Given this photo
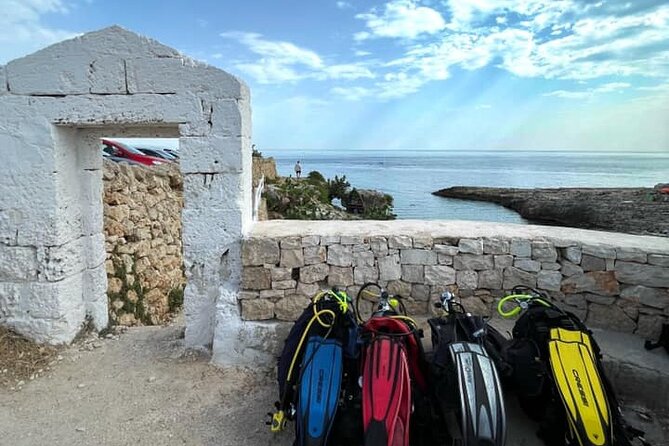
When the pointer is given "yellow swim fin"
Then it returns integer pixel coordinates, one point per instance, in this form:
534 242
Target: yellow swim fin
574 369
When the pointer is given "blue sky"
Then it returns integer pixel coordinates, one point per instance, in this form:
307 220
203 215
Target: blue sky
402 74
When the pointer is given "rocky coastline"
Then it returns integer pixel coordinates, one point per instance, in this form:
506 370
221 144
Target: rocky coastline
628 210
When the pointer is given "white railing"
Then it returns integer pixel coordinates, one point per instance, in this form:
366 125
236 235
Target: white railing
257 195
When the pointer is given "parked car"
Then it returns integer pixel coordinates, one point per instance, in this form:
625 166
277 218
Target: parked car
117 149
158 153
120 160
172 152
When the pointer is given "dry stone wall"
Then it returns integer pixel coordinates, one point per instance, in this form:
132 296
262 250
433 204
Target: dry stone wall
622 288
142 225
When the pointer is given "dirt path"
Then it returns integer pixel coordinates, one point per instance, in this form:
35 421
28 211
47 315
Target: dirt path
142 389
145 389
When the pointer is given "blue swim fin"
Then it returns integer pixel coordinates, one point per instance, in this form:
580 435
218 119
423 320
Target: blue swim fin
320 383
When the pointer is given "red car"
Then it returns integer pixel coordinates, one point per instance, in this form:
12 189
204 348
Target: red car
117 149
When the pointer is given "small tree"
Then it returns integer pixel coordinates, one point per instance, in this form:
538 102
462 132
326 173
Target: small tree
316 177
338 187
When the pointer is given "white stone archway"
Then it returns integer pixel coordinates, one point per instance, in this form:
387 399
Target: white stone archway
54 104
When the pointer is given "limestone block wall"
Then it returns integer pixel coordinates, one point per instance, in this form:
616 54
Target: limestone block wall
142 226
613 281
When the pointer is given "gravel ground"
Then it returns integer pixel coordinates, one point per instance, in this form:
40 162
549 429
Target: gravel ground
141 389
144 388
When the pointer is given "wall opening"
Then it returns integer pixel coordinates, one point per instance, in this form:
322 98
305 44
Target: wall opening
142 205
122 222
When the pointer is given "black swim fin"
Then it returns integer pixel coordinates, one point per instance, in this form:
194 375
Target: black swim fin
482 413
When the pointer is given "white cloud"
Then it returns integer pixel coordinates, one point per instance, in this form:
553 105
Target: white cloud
286 62
397 85
22 30
279 61
270 72
347 71
566 94
362 35
284 53
591 92
612 86
469 14
515 47
403 19
352 93
659 88
343 5
583 45
560 39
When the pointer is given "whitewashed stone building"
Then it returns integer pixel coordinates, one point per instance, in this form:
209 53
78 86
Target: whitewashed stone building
55 104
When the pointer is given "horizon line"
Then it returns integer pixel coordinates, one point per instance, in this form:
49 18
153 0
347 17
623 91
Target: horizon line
661 151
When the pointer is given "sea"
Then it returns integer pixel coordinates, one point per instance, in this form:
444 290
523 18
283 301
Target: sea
411 176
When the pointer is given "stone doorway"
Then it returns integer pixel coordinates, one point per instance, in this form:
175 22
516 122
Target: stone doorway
54 105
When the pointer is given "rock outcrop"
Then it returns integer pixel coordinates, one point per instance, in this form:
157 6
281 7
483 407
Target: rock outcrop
629 210
311 198
264 167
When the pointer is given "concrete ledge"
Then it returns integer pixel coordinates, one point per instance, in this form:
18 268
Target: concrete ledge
561 237
638 375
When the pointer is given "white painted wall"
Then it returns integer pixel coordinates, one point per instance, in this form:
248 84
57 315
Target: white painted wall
54 105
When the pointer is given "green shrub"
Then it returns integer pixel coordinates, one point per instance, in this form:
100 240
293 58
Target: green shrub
338 188
316 177
175 299
137 308
311 198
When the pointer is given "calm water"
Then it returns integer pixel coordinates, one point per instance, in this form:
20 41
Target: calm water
411 176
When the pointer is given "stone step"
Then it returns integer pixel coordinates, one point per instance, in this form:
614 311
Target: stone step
638 375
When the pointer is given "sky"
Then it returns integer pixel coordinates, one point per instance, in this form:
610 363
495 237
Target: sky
582 75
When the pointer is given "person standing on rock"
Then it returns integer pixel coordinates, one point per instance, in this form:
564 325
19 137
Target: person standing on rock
298 169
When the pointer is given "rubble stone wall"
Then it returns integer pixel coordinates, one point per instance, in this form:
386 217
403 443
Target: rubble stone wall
613 281
142 226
